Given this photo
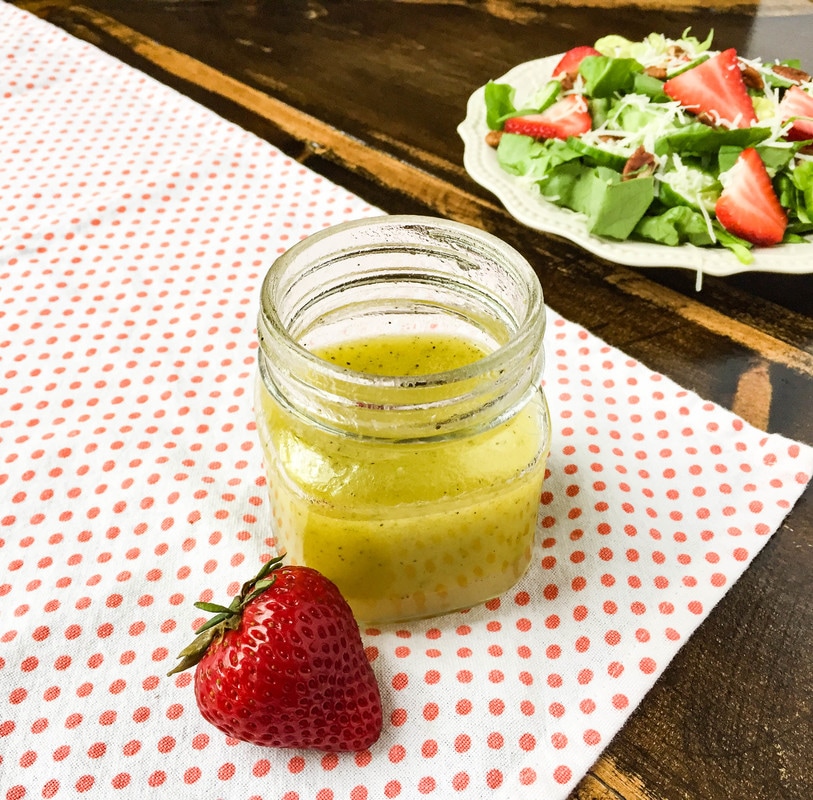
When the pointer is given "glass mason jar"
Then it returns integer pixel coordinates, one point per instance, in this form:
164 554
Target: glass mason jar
400 410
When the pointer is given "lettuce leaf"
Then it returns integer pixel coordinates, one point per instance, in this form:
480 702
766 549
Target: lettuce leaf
654 43
522 155
676 225
613 207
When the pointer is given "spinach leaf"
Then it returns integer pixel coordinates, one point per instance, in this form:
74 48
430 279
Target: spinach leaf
605 77
699 139
676 225
499 99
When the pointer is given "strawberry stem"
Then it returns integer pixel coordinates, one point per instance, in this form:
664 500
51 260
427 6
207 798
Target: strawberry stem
212 622
226 617
214 608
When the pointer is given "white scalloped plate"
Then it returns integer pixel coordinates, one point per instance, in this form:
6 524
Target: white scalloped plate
480 161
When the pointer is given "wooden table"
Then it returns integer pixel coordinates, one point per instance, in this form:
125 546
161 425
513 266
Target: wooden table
369 94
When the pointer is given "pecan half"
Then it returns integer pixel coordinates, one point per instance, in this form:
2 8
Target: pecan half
751 77
656 72
568 79
640 164
493 138
791 73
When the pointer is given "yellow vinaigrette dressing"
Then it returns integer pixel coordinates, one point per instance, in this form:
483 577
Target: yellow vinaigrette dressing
399 406
406 528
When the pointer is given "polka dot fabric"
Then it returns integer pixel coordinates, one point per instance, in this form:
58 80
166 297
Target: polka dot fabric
135 228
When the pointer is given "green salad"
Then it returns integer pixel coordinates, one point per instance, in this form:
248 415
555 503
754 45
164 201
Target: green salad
667 141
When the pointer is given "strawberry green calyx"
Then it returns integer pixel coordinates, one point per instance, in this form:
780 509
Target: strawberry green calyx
226 617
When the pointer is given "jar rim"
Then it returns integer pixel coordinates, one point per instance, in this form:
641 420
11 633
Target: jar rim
529 330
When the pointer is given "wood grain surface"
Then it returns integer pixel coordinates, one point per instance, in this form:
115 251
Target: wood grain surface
369 94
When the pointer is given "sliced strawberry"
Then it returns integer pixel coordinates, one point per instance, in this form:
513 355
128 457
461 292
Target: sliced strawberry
748 206
715 91
797 103
566 117
569 63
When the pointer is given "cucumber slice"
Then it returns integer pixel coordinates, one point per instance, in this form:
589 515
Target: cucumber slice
684 185
597 156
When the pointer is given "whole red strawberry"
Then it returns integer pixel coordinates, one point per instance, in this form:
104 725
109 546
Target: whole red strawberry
284 665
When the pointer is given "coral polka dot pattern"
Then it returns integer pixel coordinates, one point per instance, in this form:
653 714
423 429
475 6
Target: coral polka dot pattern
136 228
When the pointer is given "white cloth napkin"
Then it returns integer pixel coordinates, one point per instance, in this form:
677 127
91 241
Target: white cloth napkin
135 228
